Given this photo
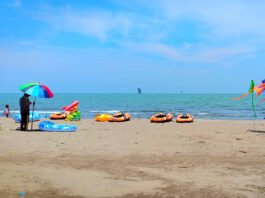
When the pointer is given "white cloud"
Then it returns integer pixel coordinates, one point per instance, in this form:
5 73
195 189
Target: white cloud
148 32
17 3
224 17
224 53
96 23
26 43
212 18
193 53
30 59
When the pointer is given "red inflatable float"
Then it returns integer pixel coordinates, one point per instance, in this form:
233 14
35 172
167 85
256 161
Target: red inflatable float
69 108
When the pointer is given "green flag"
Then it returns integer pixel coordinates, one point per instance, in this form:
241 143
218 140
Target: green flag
252 85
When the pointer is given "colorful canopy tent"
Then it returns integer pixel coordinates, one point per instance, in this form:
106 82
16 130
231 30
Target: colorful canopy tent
258 89
36 90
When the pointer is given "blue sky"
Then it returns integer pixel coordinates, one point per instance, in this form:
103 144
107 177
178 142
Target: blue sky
116 46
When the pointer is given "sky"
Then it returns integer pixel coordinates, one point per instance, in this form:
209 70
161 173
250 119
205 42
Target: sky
116 46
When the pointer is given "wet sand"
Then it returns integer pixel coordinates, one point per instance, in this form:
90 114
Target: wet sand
137 159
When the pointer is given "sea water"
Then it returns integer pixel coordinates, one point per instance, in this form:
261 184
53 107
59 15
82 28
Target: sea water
202 106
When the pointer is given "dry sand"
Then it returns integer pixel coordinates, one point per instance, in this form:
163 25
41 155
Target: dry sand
207 158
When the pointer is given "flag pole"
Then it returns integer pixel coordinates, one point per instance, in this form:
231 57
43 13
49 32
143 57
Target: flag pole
32 114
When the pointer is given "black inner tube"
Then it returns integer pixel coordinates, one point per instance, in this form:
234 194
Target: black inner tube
184 116
161 116
118 115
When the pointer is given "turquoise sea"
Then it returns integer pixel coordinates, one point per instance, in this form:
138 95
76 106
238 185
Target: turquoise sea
202 106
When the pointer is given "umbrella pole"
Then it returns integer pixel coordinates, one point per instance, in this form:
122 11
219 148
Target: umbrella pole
32 114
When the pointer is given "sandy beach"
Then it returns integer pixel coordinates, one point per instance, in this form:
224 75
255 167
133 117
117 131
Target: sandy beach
206 158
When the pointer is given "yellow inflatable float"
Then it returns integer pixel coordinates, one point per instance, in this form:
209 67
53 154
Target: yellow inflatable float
102 117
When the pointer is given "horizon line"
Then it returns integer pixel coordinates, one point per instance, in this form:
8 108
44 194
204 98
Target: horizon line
127 93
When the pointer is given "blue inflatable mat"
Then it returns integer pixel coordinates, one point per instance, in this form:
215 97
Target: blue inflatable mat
35 117
52 127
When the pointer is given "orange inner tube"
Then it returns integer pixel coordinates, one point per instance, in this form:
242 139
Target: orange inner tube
160 117
120 117
184 118
57 116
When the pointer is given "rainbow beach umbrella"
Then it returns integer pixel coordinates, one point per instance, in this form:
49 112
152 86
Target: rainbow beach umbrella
38 91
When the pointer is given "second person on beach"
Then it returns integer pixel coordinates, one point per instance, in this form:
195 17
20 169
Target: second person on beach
6 111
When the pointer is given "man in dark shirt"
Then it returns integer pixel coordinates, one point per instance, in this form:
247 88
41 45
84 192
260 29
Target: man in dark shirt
24 111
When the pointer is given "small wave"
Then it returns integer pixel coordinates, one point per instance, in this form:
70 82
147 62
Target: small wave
110 111
48 112
14 111
235 115
137 113
153 111
203 113
40 112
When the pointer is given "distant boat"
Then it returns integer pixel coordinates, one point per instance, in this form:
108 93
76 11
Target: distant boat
139 91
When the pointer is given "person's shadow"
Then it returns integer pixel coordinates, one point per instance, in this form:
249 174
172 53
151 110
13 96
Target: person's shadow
29 130
256 131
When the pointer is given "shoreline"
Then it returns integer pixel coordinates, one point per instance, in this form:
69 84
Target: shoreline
134 159
173 120
203 106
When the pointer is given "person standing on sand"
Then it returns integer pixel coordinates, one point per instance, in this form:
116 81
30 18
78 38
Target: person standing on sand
6 111
24 111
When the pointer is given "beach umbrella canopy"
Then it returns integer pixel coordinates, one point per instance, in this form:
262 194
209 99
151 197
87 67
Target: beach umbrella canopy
37 90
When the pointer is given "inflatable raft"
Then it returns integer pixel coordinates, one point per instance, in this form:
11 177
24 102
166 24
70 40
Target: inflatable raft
120 117
71 107
184 118
102 117
161 117
52 127
35 117
57 116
